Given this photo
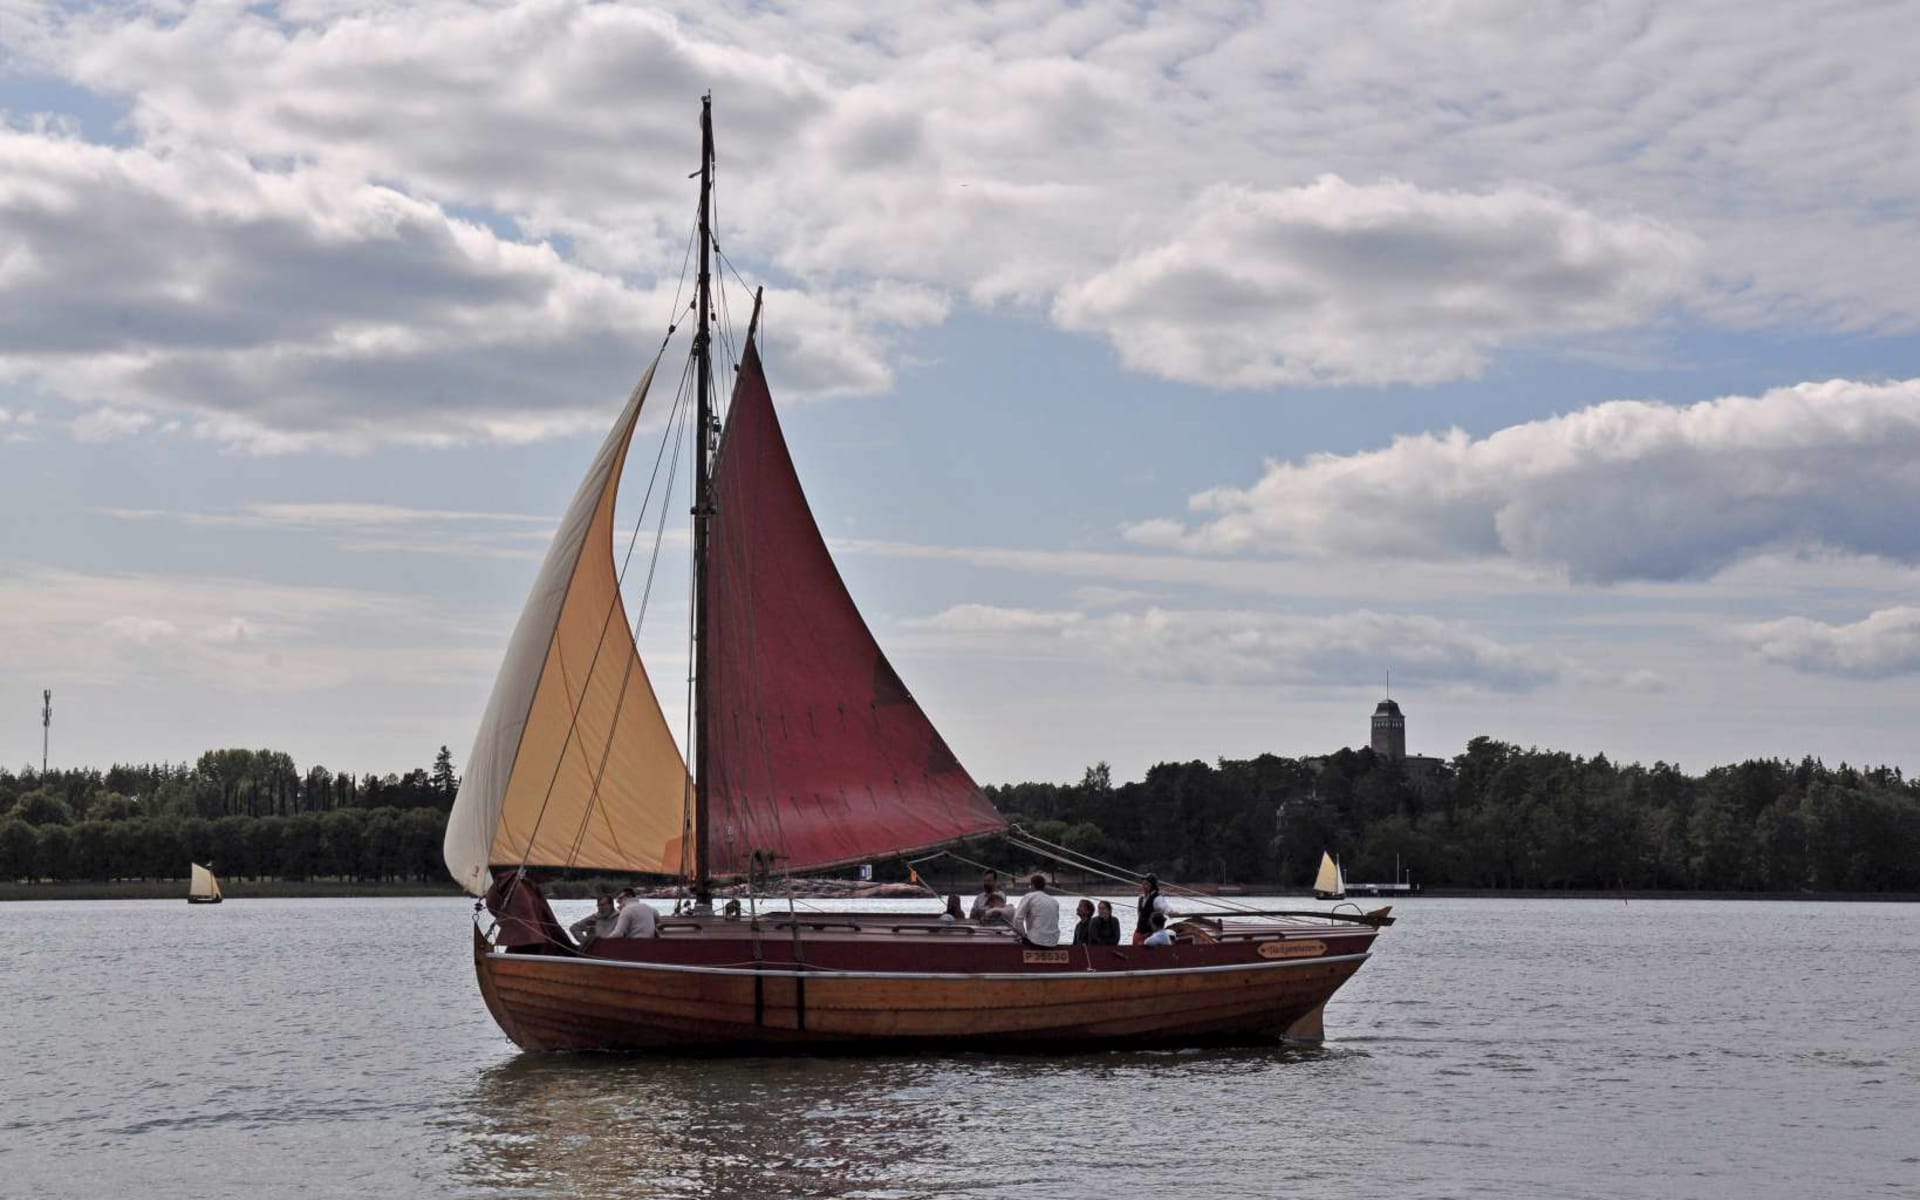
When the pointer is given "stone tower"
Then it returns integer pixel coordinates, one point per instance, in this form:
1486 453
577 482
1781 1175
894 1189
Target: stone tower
1389 731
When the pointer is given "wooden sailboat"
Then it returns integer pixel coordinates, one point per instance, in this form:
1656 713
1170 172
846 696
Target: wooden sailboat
1331 882
808 752
204 887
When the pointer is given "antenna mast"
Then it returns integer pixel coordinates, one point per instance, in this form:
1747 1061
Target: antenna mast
46 726
702 503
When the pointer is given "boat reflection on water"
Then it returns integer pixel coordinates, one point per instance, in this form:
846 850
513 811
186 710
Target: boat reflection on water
593 1126
589 1125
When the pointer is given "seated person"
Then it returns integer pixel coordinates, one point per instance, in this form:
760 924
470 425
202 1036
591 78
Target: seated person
1105 930
637 918
954 912
989 888
996 908
596 924
1161 935
1083 928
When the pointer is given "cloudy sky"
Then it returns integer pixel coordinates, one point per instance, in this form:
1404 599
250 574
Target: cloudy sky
1163 374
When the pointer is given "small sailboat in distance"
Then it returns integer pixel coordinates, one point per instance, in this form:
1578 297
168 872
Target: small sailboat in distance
1331 882
205 887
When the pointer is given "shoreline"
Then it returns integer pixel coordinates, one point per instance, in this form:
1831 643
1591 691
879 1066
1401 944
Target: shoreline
239 889
314 889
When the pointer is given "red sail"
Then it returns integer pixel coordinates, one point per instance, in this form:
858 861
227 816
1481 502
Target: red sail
817 752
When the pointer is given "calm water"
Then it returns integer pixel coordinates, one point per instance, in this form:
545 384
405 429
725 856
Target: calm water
1491 1048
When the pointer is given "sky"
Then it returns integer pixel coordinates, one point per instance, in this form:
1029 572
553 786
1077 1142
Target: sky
1162 375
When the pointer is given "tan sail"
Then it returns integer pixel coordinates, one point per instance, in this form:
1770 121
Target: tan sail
574 764
1330 881
203 886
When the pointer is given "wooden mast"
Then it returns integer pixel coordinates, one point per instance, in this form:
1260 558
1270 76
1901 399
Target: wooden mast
703 503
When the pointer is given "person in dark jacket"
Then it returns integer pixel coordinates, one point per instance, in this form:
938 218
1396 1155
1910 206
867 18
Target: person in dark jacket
1105 930
1151 902
1083 928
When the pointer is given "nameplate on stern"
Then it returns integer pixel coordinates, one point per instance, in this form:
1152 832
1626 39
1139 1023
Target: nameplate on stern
1307 949
1043 956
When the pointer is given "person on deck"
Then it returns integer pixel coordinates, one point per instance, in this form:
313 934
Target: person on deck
637 918
1083 928
597 924
1161 935
989 888
1151 902
954 911
1037 919
1106 927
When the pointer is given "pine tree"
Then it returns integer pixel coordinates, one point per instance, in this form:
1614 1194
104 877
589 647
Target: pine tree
445 782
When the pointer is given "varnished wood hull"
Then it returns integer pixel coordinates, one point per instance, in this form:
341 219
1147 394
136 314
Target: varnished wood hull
566 1003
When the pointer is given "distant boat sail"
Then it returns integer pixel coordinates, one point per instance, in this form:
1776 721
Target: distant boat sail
806 751
204 888
1330 883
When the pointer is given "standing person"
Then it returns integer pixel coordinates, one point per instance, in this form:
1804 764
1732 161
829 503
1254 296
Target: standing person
1106 927
1151 902
1037 919
1083 928
989 888
637 918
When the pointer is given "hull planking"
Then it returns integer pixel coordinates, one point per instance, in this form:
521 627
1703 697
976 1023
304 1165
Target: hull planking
1068 999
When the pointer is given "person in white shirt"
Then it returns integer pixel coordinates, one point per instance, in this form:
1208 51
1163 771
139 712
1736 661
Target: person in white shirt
1161 935
597 924
1037 919
637 918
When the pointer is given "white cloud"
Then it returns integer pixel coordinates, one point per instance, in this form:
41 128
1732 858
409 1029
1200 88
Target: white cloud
237 635
1338 283
1114 165
1623 490
367 528
109 424
1102 596
989 618
1261 648
1880 645
141 631
300 309
352 515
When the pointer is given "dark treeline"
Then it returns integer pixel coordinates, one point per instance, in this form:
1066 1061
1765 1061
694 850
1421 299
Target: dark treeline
249 813
1496 816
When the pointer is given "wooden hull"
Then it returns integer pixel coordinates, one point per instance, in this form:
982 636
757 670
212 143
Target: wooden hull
1217 994
203 899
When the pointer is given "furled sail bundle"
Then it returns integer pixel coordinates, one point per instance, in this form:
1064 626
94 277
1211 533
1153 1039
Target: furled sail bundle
818 755
574 764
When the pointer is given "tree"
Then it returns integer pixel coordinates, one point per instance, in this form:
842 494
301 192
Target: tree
19 849
445 782
56 846
42 807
